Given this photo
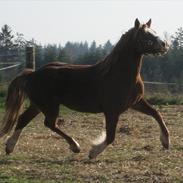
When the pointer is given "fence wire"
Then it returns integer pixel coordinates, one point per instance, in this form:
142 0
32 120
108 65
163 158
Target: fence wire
170 89
11 65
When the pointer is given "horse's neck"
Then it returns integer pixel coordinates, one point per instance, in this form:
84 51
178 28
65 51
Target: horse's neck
126 62
134 64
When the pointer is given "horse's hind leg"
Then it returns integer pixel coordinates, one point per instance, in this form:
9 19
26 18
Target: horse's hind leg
145 108
23 120
111 123
50 122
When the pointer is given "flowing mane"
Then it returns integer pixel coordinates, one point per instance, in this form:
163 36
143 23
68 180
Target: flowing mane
125 42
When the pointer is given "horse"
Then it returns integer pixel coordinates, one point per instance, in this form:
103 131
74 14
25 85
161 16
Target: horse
110 86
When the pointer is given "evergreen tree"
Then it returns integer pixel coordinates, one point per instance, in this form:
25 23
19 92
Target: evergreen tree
20 41
177 41
93 47
50 53
6 41
63 56
39 56
107 47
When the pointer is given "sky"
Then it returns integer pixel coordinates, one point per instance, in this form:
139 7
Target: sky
59 21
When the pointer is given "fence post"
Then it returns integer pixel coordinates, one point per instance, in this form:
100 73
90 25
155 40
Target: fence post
30 57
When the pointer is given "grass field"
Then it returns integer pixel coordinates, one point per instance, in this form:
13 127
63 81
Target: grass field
135 156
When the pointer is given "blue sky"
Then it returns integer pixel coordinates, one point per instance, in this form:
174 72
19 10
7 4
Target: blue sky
54 21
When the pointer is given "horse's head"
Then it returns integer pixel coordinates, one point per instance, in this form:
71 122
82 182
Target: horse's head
147 41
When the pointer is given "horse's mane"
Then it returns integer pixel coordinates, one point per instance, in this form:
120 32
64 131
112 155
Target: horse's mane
121 46
124 41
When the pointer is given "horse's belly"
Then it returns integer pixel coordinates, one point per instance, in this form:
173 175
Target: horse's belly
83 106
82 102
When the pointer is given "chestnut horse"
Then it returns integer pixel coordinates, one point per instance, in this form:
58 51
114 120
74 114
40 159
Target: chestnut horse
109 87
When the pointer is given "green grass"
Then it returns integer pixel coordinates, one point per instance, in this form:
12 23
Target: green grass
7 179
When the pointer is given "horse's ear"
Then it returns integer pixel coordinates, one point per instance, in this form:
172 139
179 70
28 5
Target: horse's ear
149 23
137 23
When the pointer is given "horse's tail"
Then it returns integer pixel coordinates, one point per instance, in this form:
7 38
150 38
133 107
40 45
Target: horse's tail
14 102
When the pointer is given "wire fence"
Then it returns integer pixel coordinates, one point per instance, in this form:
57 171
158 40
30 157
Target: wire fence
161 88
11 64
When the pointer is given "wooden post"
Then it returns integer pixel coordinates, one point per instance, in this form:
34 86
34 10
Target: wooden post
30 57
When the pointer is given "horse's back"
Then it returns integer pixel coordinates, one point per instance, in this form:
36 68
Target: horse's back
72 85
60 65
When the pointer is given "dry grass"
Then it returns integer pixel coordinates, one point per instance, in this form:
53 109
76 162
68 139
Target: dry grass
136 155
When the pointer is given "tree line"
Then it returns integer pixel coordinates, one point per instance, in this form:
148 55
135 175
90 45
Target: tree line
167 68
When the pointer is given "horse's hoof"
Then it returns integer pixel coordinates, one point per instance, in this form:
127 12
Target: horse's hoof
8 151
9 147
97 149
165 141
93 153
75 149
90 156
166 146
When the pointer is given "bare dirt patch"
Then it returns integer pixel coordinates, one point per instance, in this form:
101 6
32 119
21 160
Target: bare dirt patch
135 156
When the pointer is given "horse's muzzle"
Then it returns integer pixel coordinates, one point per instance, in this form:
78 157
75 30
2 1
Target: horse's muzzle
163 46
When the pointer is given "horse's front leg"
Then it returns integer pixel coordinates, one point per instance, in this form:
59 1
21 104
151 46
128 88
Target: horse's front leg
144 107
106 138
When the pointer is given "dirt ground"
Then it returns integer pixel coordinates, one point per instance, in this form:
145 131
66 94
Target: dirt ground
135 156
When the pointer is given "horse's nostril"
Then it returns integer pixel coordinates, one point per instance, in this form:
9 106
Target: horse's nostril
164 43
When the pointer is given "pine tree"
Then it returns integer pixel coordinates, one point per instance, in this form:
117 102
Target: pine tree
93 46
19 41
177 40
63 56
50 53
107 47
6 41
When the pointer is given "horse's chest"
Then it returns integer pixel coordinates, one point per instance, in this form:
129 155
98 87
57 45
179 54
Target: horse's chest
124 96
